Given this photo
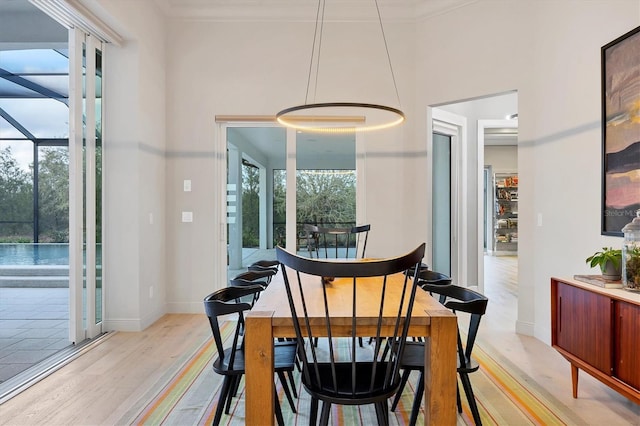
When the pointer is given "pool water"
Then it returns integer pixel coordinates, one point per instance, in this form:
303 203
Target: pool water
34 254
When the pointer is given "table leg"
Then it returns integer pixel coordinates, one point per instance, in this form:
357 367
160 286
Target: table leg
260 394
440 375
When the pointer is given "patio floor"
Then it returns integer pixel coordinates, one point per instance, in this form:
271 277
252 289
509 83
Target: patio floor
34 324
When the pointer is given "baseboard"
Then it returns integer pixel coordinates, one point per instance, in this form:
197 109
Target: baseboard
526 328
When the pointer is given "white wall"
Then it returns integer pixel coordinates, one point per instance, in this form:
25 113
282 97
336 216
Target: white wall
134 169
547 50
502 158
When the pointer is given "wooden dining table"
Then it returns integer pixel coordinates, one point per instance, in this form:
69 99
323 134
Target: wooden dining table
271 318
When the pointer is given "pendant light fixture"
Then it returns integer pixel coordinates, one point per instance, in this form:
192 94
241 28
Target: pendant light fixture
339 117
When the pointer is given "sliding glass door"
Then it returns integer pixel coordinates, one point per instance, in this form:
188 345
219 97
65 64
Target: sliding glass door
85 183
277 180
255 195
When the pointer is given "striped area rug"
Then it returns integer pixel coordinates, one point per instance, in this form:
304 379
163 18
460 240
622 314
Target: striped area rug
188 396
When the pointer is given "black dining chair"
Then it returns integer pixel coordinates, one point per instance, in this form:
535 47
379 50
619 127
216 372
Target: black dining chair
265 265
330 240
262 277
309 239
251 278
459 300
335 372
230 360
359 235
427 277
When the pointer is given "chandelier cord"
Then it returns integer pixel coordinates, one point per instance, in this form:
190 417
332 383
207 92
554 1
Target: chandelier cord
386 47
318 40
313 51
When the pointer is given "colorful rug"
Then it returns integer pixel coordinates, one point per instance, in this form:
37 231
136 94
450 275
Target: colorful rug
188 396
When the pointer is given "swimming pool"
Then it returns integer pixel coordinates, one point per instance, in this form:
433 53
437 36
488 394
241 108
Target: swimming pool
34 254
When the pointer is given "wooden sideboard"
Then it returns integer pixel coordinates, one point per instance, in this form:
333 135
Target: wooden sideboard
598 331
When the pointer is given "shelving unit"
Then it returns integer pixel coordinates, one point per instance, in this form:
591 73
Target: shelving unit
505 214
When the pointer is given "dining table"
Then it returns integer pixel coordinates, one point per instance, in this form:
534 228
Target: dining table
270 318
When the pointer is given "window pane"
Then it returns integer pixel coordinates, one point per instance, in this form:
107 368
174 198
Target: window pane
326 181
53 193
43 118
16 193
253 155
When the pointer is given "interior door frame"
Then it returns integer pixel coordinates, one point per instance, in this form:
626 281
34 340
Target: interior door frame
454 126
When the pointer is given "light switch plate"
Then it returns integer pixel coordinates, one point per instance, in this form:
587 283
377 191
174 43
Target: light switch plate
187 185
187 216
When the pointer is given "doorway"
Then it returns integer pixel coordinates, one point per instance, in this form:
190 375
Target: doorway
471 212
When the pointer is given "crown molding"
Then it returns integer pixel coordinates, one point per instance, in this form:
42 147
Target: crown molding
305 10
72 14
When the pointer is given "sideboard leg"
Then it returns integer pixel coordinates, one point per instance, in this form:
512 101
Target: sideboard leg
574 380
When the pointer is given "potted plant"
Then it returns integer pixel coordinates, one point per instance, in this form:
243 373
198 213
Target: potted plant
610 262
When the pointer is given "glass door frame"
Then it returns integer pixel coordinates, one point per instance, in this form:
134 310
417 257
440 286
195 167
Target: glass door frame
220 148
83 321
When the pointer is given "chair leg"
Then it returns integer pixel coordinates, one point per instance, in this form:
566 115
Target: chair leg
403 381
382 414
313 412
293 384
459 402
234 384
468 390
287 392
417 400
325 414
226 388
279 417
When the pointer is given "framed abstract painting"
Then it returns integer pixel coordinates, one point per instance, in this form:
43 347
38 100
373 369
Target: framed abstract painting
620 132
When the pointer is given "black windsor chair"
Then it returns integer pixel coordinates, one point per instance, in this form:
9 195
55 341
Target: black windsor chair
338 374
330 240
309 237
251 278
265 265
427 277
230 361
360 235
458 299
261 277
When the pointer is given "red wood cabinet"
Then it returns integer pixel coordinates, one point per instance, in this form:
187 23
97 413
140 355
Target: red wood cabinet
598 331
627 351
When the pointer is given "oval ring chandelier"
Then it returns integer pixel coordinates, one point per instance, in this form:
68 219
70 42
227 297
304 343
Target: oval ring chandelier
340 117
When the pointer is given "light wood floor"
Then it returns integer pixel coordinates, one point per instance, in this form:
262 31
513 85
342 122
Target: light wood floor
99 387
